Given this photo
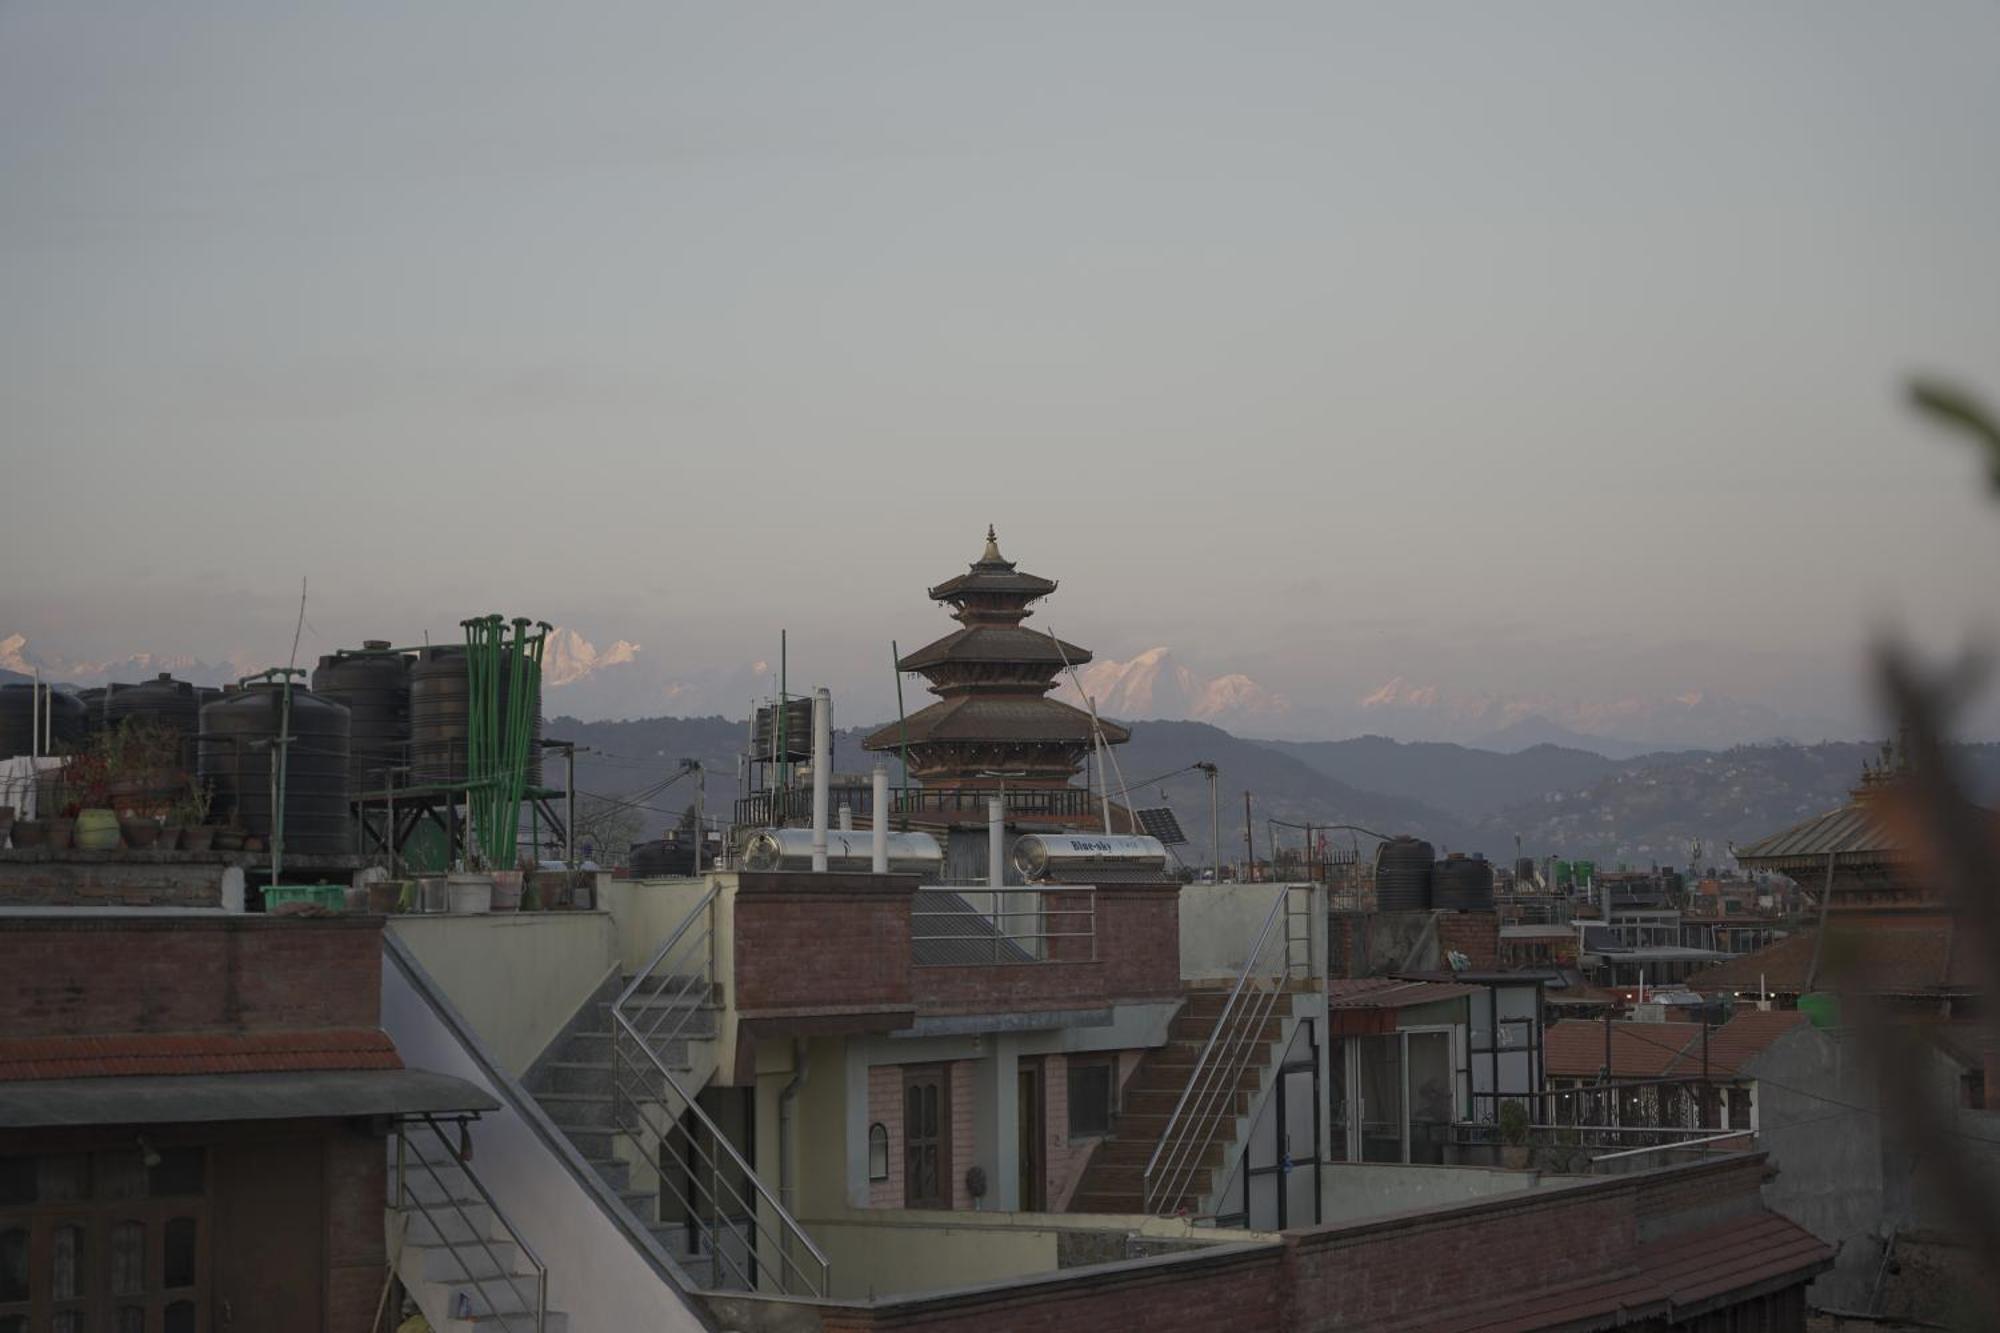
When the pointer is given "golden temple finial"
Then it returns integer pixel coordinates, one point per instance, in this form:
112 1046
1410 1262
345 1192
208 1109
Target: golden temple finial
992 553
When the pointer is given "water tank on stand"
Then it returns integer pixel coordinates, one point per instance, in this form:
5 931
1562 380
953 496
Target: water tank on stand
374 686
235 752
19 710
1403 875
440 718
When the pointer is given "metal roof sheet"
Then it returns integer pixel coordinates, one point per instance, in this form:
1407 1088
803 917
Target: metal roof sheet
1853 831
186 1099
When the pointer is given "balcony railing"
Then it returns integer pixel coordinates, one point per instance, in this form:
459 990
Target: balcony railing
976 925
769 809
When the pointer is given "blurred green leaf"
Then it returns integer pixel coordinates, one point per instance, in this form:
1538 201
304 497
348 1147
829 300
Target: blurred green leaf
1954 407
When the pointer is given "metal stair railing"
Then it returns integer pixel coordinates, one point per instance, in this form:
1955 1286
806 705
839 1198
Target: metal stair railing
406 1198
1208 1099
683 968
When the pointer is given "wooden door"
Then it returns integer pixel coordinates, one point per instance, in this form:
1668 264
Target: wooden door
1033 1131
270 1220
926 1138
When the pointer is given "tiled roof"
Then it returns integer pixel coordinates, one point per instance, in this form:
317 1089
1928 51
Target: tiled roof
1879 954
130 1054
995 643
976 717
1673 1279
1574 1048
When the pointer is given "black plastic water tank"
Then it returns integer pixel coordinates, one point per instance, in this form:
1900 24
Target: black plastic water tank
65 726
440 693
375 687
1462 882
162 701
1403 875
235 760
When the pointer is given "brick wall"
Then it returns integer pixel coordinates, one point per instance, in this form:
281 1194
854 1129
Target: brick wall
40 878
356 1192
1474 934
822 941
64 976
1138 958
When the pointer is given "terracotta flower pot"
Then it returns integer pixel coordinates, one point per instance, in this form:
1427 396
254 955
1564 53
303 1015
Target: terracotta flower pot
252 843
229 840
62 834
170 838
140 834
198 838
31 833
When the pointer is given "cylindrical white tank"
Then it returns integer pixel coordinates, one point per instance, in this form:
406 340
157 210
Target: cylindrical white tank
792 849
1036 855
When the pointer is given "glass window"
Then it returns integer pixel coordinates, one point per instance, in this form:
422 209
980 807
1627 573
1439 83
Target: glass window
1089 1098
878 1151
66 1260
13 1323
179 1266
17 1180
1431 1102
128 1259
121 1175
180 1317
14 1264
131 1319
1382 1099
179 1171
69 1321
61 1179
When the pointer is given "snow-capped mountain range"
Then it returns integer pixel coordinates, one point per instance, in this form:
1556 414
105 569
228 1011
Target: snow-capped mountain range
1156 685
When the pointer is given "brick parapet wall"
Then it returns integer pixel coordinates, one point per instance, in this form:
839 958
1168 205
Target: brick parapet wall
814 941
1356 1274
80 976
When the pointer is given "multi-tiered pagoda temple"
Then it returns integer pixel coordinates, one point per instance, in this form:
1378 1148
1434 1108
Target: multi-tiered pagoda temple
994 725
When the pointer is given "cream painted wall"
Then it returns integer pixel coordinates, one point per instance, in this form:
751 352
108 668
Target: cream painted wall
1351 1190
1219 923
647 911
516 976
884 1252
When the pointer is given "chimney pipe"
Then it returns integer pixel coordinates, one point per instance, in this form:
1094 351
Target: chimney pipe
822 759
880 825
996 837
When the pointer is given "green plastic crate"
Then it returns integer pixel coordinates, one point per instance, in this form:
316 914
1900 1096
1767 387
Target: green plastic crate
330 896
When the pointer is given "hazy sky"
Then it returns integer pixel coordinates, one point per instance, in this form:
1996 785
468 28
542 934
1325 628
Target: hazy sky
1503 347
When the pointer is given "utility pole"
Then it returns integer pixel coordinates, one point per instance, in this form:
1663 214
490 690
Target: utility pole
1214 821
1249 845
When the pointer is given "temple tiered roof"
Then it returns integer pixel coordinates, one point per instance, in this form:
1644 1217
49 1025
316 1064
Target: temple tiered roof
992 678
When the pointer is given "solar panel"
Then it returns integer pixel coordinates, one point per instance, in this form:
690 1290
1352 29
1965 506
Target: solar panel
1159 822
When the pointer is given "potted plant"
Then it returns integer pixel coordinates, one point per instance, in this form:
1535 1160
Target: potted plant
31 832
1513 1135
187 821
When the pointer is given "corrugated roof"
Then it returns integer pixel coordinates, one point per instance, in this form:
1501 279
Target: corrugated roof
1853 832
1390 992
166 1053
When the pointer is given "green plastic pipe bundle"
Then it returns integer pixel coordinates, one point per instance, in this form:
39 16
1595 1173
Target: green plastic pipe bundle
503 673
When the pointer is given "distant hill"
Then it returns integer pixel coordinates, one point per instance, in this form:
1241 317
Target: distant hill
1560 801
1458 778
1651 810
1537 732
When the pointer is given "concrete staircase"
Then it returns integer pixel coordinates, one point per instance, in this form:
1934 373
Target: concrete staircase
455 1257
573 1083
1114 1181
